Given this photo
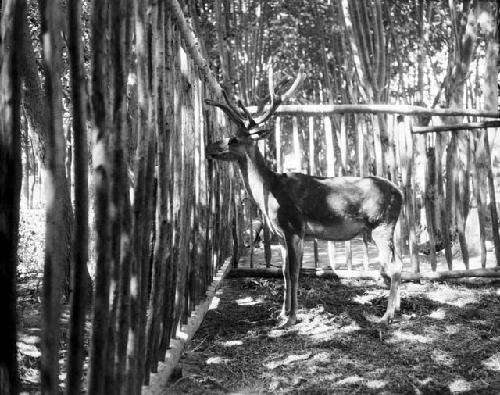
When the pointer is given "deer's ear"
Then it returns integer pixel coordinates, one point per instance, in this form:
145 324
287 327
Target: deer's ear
261 134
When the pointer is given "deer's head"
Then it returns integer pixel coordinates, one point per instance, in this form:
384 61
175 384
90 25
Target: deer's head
249 127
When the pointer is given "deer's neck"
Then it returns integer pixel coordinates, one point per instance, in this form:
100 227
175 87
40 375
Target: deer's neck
258 178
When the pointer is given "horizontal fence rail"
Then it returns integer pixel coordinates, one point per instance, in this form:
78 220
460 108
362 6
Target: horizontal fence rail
308 139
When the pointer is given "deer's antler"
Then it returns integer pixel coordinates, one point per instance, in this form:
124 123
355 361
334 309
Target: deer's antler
243 118
277 100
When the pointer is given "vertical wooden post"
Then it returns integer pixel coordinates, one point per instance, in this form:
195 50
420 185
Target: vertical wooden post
359 127
330 172
312 171
80 241
12 20
408 182
428 194
343 172
297 153
97 366
265 225
277 136
479 203
493 202
449 211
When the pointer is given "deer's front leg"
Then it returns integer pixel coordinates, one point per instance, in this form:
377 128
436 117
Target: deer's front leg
291 273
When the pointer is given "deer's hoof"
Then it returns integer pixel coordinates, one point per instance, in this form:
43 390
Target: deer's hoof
284 314
384 282
287 322
386 319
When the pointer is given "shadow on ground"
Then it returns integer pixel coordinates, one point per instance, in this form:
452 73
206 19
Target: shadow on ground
446 340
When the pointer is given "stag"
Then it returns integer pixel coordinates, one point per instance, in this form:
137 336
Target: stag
300 207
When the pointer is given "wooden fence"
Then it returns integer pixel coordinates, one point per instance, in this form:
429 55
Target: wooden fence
327 140
161 256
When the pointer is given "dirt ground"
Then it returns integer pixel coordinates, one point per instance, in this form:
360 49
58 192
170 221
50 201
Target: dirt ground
446 341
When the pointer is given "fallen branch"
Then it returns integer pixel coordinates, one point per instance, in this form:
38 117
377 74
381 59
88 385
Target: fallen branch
451 128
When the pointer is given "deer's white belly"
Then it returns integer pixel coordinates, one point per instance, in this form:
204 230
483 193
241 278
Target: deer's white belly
343 231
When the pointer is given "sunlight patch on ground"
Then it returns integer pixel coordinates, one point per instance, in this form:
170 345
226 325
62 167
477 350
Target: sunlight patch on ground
364 299
231 343
352 327
493 362
368 296
249 301
288 360
442 358
321 357
217 360
455 297
452 329
438 314
460 385
402 336
376 384
350 380
275 333
318 330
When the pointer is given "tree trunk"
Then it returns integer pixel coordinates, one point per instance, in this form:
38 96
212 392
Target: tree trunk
11 25
79 296
55 251
99 97
37 113
457 157
490 92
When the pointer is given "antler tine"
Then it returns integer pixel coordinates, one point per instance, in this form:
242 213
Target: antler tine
276 101
279 85
233 108
251 122
228 110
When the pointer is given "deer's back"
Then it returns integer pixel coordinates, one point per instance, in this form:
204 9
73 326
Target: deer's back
353 204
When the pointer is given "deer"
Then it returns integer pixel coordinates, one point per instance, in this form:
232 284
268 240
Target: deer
300 207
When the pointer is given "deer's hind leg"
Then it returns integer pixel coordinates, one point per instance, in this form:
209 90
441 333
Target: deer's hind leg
383 239
287 295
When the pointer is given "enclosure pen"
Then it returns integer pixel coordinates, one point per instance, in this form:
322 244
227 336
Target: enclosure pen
167 225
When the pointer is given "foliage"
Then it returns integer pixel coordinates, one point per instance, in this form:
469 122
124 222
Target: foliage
295 31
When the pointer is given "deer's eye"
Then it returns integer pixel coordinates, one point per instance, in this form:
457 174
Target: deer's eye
233 141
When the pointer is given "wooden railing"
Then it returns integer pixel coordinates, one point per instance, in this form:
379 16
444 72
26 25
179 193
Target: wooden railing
345 140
